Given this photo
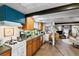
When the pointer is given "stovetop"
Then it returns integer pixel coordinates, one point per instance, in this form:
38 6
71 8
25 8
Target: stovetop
11 42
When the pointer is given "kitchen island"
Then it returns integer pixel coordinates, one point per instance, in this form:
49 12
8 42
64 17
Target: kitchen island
33 44
25 47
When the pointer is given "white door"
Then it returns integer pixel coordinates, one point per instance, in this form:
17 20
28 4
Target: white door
14 52
46 37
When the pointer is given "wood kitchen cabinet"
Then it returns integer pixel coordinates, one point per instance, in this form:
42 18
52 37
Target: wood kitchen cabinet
29 48
7 53
41 40
33 45
38 42
29 24
40 26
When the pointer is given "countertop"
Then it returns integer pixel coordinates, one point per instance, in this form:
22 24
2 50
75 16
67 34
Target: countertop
32 37
4 48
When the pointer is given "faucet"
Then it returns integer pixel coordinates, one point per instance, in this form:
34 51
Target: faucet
11 39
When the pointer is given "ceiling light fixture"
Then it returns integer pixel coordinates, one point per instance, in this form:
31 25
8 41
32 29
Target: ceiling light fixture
72 7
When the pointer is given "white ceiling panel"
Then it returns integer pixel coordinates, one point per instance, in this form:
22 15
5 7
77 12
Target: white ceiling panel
33 7
65 16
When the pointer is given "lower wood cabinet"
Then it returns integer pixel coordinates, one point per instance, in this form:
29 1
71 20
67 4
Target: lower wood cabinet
41 40
7 53
38 42
29 48
33 45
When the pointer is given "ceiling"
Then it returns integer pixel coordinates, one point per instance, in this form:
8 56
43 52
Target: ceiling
65 16
60 17
27 8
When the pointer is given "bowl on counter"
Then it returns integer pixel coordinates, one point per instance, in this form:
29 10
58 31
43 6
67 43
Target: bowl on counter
20 39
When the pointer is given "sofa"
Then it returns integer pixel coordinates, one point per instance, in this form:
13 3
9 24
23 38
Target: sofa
74 40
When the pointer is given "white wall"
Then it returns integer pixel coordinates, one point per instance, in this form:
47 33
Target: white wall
60 28
36 25
16 32
75 30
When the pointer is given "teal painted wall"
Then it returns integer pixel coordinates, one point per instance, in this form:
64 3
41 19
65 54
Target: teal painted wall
10 14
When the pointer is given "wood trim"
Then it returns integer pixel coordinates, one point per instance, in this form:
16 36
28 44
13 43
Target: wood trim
67 22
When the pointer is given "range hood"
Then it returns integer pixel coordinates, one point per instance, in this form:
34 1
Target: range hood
9 23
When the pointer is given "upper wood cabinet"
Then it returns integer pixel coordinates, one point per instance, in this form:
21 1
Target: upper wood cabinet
40 26
29 23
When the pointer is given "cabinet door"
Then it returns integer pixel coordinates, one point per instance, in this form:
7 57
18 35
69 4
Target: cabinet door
7 53
40 26
29 48
41 40
29 23
38 42
34 45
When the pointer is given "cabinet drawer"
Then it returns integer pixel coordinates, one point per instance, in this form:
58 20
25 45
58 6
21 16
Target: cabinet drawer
7 53
29 50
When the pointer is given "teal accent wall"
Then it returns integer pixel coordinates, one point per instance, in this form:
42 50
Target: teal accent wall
9 14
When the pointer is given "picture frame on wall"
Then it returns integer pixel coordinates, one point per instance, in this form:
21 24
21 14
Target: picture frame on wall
8 32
